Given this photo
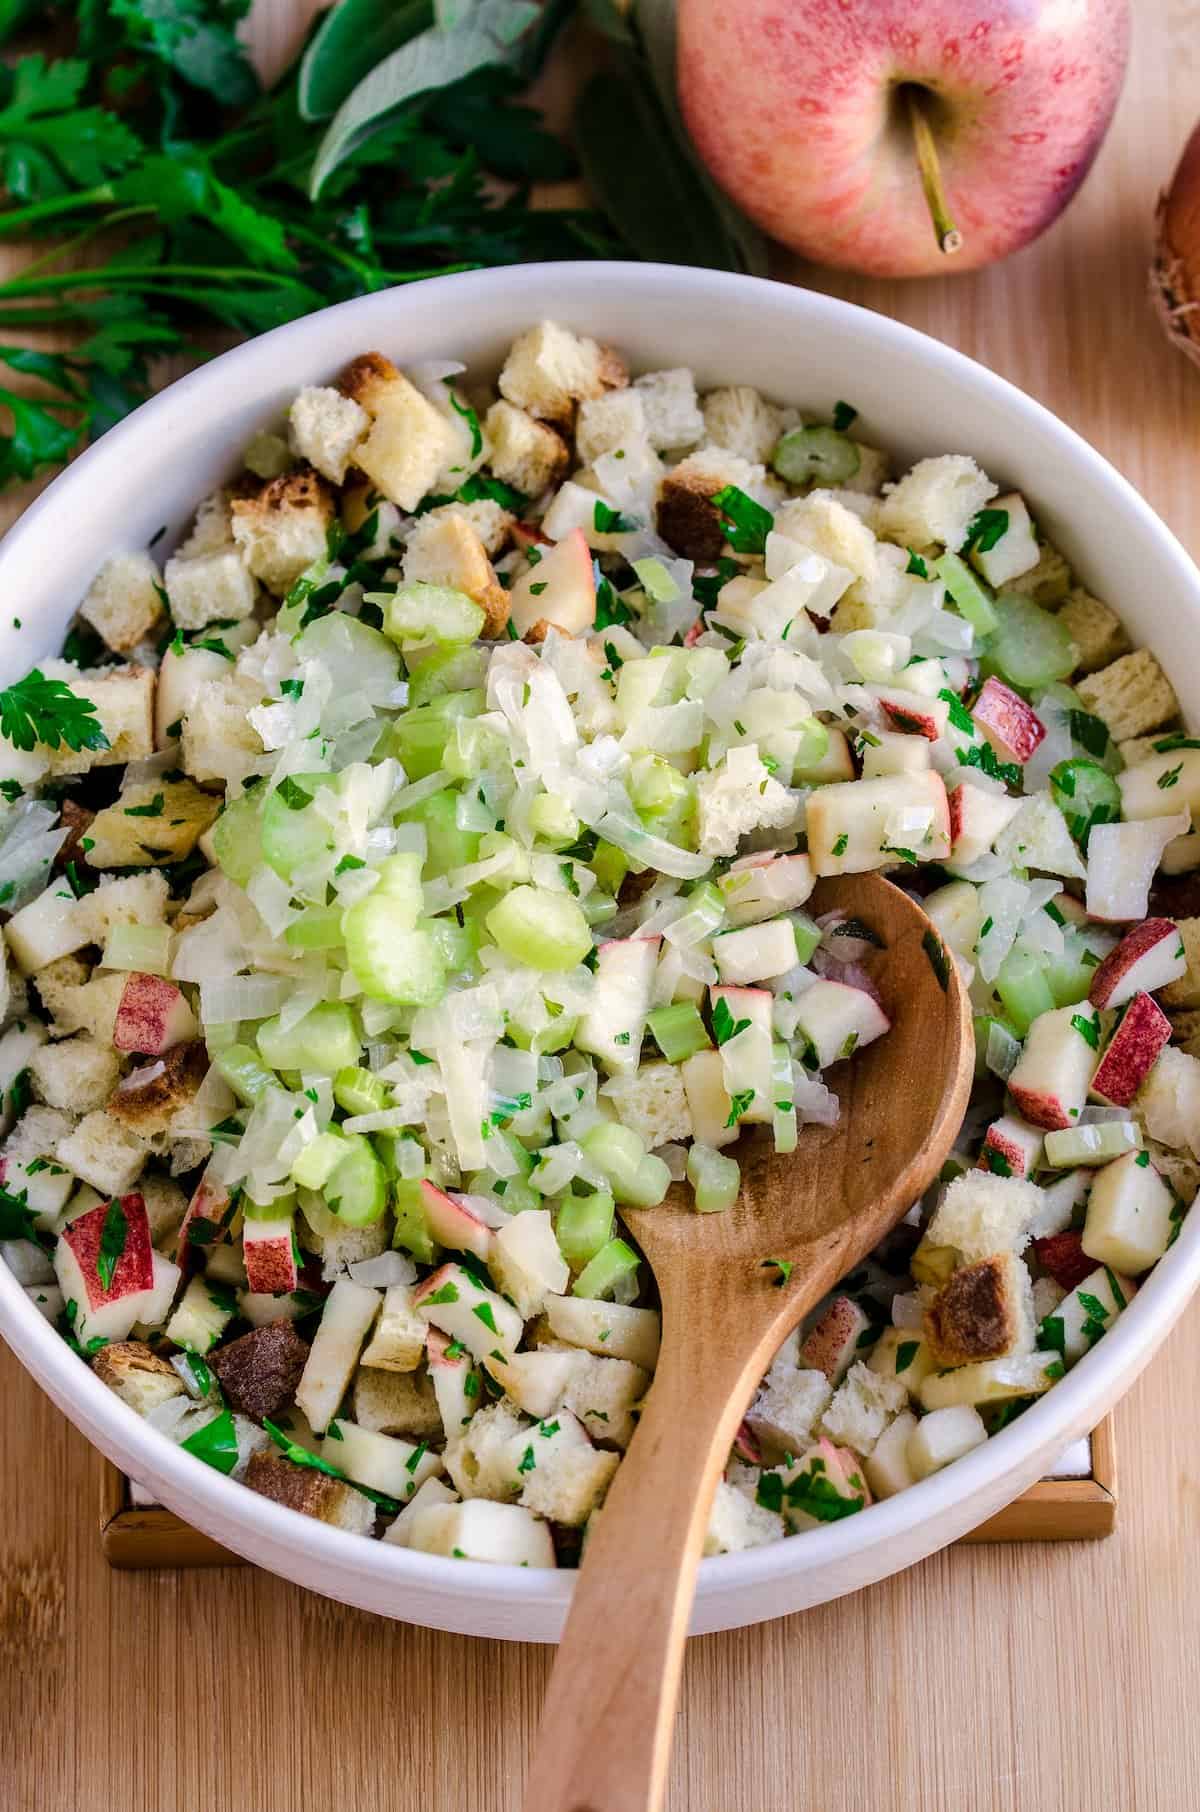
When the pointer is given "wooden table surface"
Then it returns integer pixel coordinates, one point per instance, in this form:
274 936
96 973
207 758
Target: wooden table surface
1019 1679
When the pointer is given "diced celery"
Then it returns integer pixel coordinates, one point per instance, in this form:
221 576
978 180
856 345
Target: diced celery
715 1179
655 786
514 855
974 603
600 1277
419 736
455 944
1070 975
446 845
391 959
1029 647
359 1092
292 835
146 948
517 1195
598 907
1085 794
412 1228
475 748
242 1069
320 928
237 836
816 455
679 1031
812 747
546 930
983 1024
1096 1144
357 1190
1024 989
325 1040
610 865
356 656
635 1176
431 613
315 1164
277 1210
551 818
784 1129
808 935
583 1225
449 669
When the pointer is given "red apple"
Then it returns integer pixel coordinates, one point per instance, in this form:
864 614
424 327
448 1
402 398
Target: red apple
831 1346
269 1253
1062 1257
1133 1051
208 1214
452 1223
1011 1147
912 713
1148 957
976 820
803 111
104 1262
1012 727
152 1016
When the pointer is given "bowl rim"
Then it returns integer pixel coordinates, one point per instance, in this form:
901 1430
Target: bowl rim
1046 1426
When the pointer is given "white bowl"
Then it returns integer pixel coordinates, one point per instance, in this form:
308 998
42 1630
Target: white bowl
915 397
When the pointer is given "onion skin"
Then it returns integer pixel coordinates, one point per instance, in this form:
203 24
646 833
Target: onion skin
1175 273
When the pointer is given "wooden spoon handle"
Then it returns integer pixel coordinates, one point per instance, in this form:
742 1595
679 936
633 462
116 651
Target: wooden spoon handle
605 1734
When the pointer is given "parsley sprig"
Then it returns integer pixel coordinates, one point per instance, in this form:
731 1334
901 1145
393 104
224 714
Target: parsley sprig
38 709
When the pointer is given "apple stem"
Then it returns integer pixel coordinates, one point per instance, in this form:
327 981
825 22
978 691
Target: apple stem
948 236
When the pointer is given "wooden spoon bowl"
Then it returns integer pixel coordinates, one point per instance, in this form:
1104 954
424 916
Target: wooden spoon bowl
606 1726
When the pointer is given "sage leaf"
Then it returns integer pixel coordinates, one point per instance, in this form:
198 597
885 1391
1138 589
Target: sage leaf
352 38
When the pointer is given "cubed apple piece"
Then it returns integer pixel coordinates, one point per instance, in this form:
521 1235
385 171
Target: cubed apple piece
164 1288
823 1485
756 952
758 886
1086 1313
455 1380
1013 727
560 589
1011 1147
1129 1225
42 1185
743 1027
955 912
903 1353
615 1021
990 1381
55 924
912 713
612 1329
887 1467
398 1343
538 1381
703 1077
504 1534
1122 860
209 1213
527 1263
152 1015
451 1223
1161 785
382 1462
269 1254
942 1437
833 1344
433 1491
1050 1081
205 1310
104 1263
888 752
976 820
452 1300
1148 957
1132 1052
864 824
346 1320
838 1020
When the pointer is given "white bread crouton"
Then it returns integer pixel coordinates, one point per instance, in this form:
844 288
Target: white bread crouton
1139 748
490 520
1047 583
76 1074
785 1412
549 369
446 550
128 900
80 1006
314 1494
981 1214
1186 991
137 1375
209 587
1096 631
409 441
1168 1102
863 1405
284 528
478 1461
398 1343
37 1133
652 1102
820 522
101 1152
936 502
210 531
123 604
609 424
1133 695
603 1393
736 1523
325 427
686 516
124 701
219 743
671 408
527 454
737 796
743 421
166 1206
132 833
984 1311
563 1477
400 1403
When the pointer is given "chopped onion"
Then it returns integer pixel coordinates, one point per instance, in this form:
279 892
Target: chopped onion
381 1272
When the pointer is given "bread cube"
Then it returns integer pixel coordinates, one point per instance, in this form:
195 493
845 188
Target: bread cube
324 428
77 1073
103 1153
150 822
549 369
124 701
137 1375
563 1477
981 1214
985 1311
219 742
944 1436
670 408
398 1343
1047 583
824 524
742 421
936 502
1168 1102
166 1206
609 423
210 530
480 1459
1133 695
314 1494
259 1371
446 550
148 1099
604 1393
394 1402
863 1405
505 1534
736 1523
209 588
687 518
409 441
785 1412
490 520
887 1466
1096 631
652 1102
127 900
527 454
123 603
283 528
1185 992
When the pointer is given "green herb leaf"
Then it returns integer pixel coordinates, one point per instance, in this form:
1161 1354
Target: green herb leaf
216 1442
113 1236
352 38
782 1267
984 530
38 709
747 524
724 1025
738 1105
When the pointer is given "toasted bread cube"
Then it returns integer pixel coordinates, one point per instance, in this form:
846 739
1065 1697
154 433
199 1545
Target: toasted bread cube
432 1492
1185 992
479 1460
314 1494
863 1405
610 1329
124 701
527 454
1047 583
609 424
981 1214
505 1534
902 1353
77 1073
936 502
736 1523
80 1005
1185 1031
789 1403
325 427
742 421
1132 695
166 1206
1096 631
671 408
398 1343
101 1152
209 588
219 742
129 900
944 1436
447 550
985 1311
652 1102
138 1376
687 518
37 1133
148 1099
396 1403
259 1371
349 1312
490 520
886 1466
549 369
283 529
123 602
564 1478
409 441
210 531
824 524
151 822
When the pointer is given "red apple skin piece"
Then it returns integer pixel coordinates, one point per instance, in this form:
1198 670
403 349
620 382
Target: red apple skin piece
436 1342
152 1016
831 1345
134 1270
1013 728
1040 1109
1014 1155
1106 989
1132 1052
453 1225
270 1264
1062 1257
746 1445
909 721
788 105
209 1205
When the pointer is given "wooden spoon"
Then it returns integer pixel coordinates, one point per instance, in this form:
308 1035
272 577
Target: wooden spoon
606 1725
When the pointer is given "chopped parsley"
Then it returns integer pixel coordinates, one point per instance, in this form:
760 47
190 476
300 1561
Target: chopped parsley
608 521
916 566
782 1268
746 523
113 1236
843 415
724 1025
984 530
960 717
739 1104
939 962
841 844
153 810
906 1352
1088 1029
44 710
216 1442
